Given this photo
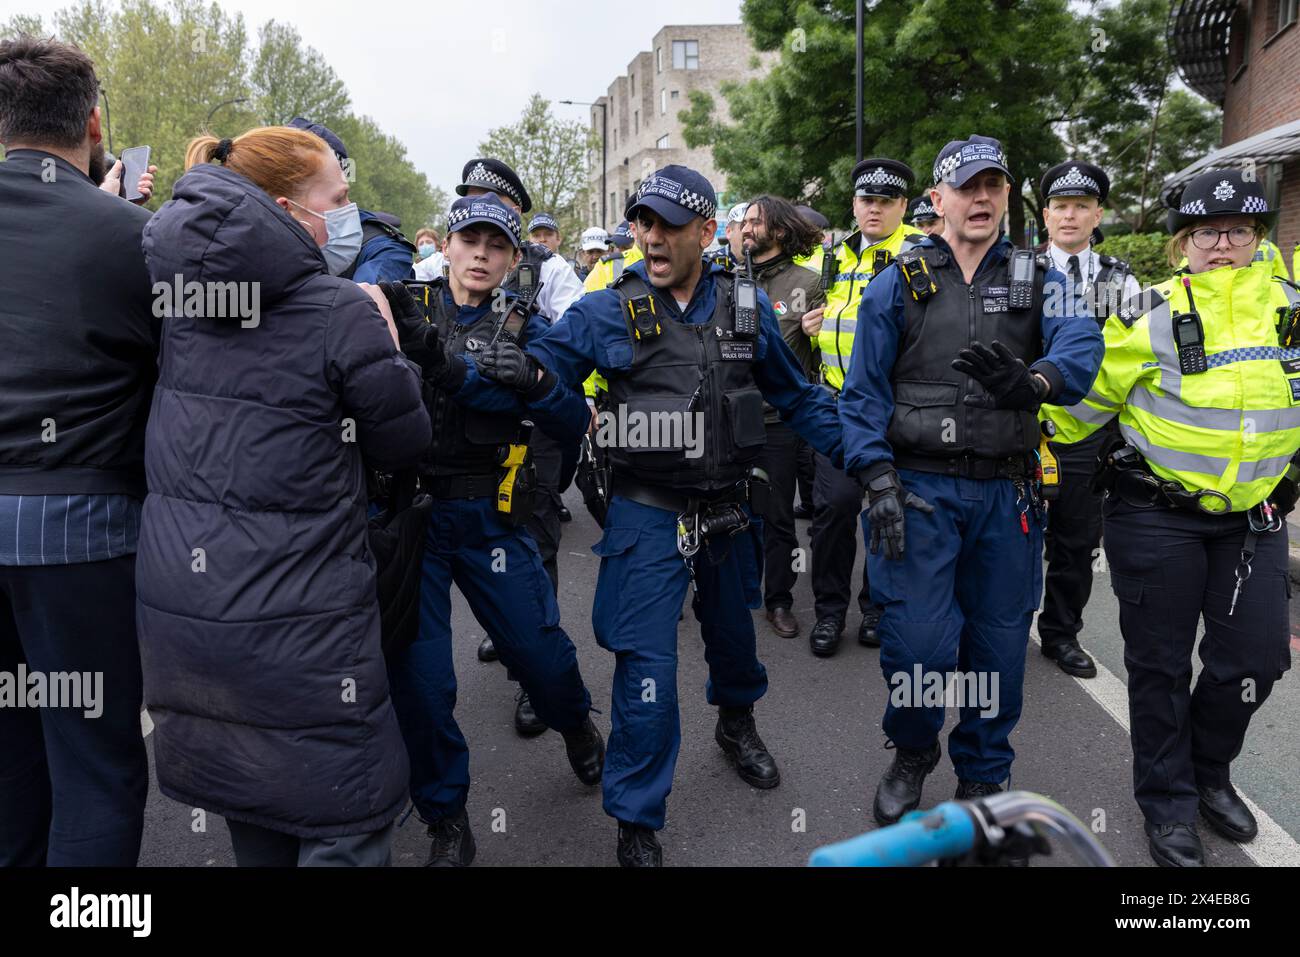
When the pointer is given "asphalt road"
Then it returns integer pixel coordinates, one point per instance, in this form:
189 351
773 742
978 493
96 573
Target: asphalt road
821 719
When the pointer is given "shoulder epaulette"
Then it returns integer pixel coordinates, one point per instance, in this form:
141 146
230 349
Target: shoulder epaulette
1135 307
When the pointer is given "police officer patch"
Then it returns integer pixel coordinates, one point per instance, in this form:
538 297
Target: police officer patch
996 298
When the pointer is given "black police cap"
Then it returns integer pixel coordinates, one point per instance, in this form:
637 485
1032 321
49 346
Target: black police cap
1075 178
879 176
921 210
495 177
1221 192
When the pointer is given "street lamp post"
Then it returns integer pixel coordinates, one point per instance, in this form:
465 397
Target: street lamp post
604 153
207 124
858 77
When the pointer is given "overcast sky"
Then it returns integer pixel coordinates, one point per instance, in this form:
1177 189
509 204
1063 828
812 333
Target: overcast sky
439 75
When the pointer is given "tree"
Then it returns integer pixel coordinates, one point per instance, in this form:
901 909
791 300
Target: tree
1032 73
291 80
166 66
549 156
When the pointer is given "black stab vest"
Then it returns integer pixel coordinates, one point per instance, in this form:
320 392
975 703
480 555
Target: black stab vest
930 415
688 370
465 441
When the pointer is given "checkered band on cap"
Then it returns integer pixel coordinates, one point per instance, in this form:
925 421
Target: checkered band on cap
1075 180
480 175
674 191
485 211
970 153
881 177
1255 204
1195 208
924 210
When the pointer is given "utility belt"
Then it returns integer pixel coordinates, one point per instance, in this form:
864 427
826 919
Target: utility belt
701 517
1125 474
513 486
1016 468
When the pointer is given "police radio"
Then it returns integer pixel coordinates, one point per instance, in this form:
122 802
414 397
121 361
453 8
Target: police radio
1189 337
527 279
745 302
828 267
1021 294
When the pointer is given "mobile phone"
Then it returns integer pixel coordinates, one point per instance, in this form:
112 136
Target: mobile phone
135 161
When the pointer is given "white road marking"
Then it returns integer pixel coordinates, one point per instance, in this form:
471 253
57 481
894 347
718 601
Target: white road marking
1272 847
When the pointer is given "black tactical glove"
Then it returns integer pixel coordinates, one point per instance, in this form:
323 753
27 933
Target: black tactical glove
1008 380
505 363
887 499
417 338
1286 492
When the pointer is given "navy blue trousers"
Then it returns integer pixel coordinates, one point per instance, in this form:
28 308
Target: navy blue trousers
72 786
639 595
499 571
960 600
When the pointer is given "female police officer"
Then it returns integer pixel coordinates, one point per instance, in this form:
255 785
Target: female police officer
470 542
1200 372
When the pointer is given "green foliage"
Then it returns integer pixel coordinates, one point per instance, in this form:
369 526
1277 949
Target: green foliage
1145 252
549 156
1046 77
171 68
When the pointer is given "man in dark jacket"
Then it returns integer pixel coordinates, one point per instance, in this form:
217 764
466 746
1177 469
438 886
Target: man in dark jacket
80 346
774 233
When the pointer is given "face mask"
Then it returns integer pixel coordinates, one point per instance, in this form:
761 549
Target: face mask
343 229
427 250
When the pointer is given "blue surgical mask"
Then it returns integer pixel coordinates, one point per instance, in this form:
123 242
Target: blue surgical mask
343 232
427 250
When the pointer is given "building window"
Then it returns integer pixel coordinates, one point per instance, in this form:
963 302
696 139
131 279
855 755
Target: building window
662 142
636 121
663 102
659 59
1287 11
632 78
616 139
686 54
673 95
1238 42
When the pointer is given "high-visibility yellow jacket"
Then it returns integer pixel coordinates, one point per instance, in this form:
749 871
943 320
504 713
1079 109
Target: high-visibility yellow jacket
1231 429
606 270
609 268
853 271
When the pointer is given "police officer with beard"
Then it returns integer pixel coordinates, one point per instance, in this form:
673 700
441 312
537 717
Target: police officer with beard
678 342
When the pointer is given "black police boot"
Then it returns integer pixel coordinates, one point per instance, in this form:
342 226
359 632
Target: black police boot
486 650
453 842
1225 812
586 750
868 631
564 514
899 790
1072 659
526 721
824 639
1175 845
638 846
738 737
973 791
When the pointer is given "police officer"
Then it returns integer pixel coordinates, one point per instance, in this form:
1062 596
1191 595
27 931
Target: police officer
552 283
940 429
880 188
474 539
383 253
1201 371
732 250
1073 196
545 231
623 252
921 214
773 233
679 342
590 249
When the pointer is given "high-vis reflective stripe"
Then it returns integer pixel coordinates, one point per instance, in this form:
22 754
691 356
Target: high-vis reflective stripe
1174 459
1230 429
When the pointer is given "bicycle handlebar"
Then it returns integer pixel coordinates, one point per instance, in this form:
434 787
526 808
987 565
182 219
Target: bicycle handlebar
948 830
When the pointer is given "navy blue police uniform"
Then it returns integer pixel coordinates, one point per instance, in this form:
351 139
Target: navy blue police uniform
690 361
962 594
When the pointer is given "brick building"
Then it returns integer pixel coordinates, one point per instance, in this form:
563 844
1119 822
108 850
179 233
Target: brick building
643 103
1245 56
